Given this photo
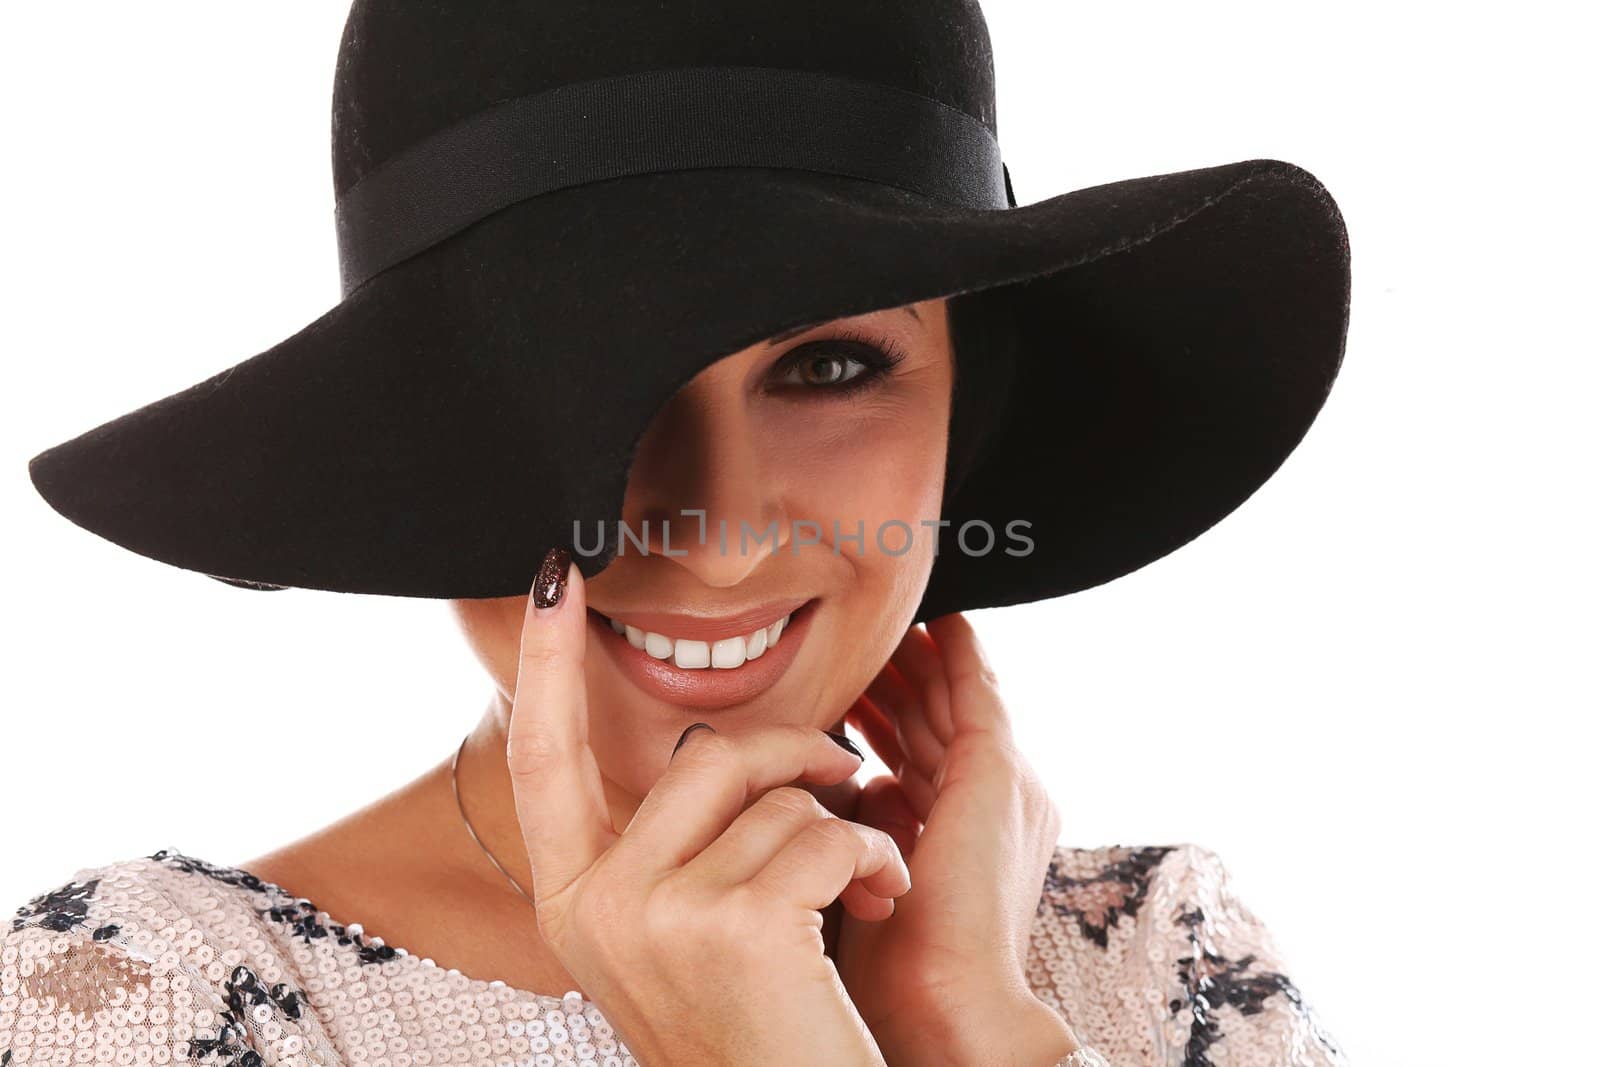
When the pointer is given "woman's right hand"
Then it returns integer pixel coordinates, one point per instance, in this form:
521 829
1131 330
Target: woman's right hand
697 930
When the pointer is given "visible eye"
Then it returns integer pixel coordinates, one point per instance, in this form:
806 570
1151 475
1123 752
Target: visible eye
837 364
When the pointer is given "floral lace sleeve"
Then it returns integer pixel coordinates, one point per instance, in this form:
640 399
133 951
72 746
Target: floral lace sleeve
1153 959
1231 996
106 969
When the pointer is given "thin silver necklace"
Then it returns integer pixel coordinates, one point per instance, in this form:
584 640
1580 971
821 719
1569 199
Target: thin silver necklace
456 789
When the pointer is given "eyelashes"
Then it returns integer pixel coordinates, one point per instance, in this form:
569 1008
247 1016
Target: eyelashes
876 359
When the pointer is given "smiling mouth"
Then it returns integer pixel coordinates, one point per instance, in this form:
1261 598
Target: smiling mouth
686 653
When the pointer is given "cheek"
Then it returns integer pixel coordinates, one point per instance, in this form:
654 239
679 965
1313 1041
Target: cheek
892 485
884 472
874 460
877 469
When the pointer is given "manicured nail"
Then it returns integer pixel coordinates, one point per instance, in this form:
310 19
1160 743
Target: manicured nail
550 584
845 743
691 728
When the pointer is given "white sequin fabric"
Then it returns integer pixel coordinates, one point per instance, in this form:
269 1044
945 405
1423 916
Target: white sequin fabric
170 959
1083 1057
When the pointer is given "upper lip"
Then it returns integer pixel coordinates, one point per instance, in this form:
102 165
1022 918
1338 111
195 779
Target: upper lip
708 627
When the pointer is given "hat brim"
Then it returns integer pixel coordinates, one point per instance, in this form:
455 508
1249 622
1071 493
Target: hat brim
433 432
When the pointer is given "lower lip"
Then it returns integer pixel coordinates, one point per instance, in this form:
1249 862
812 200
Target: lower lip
705 688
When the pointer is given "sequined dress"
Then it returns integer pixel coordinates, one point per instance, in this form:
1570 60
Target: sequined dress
167 958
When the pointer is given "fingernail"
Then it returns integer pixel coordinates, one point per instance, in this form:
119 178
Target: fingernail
550 584
845 743
691 728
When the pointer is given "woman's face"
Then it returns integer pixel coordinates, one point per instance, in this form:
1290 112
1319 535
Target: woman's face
801 443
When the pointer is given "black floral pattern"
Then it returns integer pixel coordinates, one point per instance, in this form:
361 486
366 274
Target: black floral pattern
228 1045
217 872
1101 901
59 910
300 915
1211 981
243 990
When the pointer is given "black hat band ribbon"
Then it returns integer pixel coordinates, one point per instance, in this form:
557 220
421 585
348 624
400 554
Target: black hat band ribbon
662 120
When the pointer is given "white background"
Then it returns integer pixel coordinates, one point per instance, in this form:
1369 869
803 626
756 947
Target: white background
1369 690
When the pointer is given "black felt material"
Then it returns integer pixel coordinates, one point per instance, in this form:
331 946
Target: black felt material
430 435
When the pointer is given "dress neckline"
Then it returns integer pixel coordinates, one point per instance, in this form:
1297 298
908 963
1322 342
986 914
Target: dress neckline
352 936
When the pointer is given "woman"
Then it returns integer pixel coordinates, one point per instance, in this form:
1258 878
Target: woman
656 812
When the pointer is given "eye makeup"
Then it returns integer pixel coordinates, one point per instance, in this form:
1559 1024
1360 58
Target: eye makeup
877 358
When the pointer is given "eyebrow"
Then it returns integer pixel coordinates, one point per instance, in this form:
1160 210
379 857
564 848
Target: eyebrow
779 338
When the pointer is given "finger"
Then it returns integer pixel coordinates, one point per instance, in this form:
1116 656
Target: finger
896 700
975 689
884 740
883 805
761 832
815 866
710 780
555 779
868 907
919 791
919 662
879 731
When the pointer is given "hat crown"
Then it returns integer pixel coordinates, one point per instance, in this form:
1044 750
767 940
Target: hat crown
407 69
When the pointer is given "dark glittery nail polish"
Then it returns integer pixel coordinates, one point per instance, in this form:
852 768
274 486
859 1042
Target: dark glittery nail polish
845 743
685 736
550 584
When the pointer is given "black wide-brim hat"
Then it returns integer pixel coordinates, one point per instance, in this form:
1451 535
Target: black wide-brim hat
549 221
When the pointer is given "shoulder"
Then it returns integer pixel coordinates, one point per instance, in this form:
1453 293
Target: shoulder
1151 955
164 953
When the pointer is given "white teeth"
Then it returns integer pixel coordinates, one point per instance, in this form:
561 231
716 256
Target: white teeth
729 652
686 653
658 645
726 654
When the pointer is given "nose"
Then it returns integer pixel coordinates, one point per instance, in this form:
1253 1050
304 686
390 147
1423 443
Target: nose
702 453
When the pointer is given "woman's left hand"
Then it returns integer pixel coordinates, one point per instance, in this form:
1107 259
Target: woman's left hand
943 980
